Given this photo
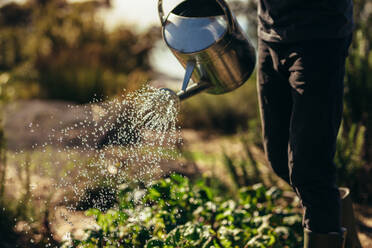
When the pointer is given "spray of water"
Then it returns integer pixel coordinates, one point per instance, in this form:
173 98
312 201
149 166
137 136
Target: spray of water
119 141
130 137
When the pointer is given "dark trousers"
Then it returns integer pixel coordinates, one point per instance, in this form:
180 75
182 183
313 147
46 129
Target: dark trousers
300 88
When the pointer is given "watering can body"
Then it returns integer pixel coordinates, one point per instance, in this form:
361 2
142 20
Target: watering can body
209 43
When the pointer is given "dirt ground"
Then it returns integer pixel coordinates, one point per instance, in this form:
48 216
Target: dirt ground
364 222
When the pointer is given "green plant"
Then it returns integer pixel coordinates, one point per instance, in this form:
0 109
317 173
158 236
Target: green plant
245 169
3 159
174 212
3 162
358 79
349 161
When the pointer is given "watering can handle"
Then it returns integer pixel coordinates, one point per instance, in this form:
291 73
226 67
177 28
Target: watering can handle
222 4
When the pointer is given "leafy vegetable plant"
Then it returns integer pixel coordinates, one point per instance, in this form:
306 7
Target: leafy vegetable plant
174 212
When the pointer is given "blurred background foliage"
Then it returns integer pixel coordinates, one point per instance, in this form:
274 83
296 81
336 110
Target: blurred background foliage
358 83
58 50
355 141
224 114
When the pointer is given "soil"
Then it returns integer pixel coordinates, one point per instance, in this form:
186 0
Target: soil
364 222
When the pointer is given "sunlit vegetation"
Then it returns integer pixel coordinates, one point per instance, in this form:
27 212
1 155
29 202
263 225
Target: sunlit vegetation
176 213
57 50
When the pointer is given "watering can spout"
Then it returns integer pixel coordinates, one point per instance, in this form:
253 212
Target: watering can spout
191 91
188 91
195 88
189 69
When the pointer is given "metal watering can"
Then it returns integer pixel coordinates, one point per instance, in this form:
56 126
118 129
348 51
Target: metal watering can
210 44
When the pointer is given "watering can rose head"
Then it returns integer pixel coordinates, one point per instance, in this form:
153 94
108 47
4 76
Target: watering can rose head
209 43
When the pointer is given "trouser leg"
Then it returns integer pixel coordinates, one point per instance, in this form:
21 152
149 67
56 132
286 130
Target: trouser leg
316 77
274 94
300 89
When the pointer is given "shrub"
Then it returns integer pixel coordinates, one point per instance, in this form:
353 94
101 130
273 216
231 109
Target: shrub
61 50
176 213
225 113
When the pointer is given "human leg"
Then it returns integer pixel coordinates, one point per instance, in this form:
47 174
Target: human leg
316 77
275 102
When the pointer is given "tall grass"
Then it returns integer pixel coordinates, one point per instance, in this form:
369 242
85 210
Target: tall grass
350 163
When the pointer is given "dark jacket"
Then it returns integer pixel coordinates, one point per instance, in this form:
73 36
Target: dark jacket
297 20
